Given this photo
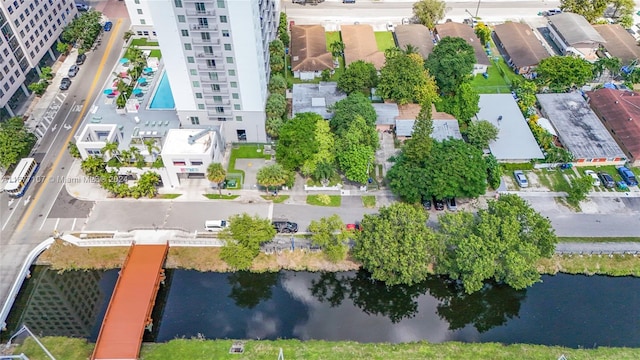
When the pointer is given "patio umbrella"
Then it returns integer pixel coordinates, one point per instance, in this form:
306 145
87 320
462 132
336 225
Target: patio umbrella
136 91
142 80
124 61
147 70
108 91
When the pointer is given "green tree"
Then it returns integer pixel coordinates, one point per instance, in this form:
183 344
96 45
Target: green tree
417 148
276 48
325 75
62 47
276 64
626 21
358 133
276 105
46 73
355 161
345 110
273 125
216 174
396 245
483 32
110 150
580 188
590 9
329 233
16 141
456 169
39 87
503 243
152 147
429 12
73 150
404 80
283 29
481 133
271 176
451 63
243 238
560 73
407 180
463 105
93 166
325 151
358 76
622 7
277 84
494 171
146 185
526 92
613 65
296 141
336 48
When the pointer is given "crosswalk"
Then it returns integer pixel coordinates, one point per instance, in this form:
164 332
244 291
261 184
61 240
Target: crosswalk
63 224
50 114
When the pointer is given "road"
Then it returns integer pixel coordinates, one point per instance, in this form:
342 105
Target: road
331 14
22 219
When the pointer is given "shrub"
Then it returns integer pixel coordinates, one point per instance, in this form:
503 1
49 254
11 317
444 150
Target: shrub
324 199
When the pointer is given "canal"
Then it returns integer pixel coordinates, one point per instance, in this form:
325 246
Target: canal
567 310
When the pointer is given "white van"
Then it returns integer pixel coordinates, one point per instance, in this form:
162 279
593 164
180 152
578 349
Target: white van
215 225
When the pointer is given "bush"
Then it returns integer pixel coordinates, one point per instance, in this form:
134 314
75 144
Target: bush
324 199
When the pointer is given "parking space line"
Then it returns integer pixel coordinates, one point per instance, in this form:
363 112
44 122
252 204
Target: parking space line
55 227
73 226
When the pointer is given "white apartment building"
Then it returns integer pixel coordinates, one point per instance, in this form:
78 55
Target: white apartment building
29 30
216 54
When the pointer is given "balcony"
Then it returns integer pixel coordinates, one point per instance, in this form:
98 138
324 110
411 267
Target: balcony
208 80
217 103
197 40
208 55
211 67
207 27
192 12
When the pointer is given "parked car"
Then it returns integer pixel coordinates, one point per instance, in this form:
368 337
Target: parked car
594 176
521 179
348 1
354 227
390 26
73 70
628 176
82 7
552 12
108 25
215 225
65 83
426 204
438 204
607 180
406 21
285 227
452 205
80 59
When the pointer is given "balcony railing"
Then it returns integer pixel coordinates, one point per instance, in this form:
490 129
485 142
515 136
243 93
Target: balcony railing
210 67
214 42
208 55
208 27
208 80
192 12
217 103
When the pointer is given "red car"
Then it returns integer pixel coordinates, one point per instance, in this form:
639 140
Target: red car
354 227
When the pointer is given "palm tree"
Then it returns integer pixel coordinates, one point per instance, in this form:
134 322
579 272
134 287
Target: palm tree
126 156
110 150
336 48
392 52
271 176
152 146
216 174
137 157
410 49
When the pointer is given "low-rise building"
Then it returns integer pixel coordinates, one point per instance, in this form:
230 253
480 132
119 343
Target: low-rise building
515 142
579 130
620 114
360 44
574 35
309 55
465 32
316 98
619 43
522 50
416 35
386 115
445 126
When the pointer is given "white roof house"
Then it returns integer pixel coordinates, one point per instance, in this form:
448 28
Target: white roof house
316 98
515 141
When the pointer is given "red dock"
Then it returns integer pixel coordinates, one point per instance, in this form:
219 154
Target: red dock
133 298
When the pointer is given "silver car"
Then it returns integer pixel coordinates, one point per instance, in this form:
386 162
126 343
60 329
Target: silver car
521 179
73 70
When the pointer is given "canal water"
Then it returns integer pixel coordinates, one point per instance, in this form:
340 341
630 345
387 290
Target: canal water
568 310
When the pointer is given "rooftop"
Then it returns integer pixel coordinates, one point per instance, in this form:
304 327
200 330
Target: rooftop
442 129
310 98
578 127
309 49
620 43
521 44
575 29
465 32
360 44
515 140
177 141
386 112
621 110
408 111
417 35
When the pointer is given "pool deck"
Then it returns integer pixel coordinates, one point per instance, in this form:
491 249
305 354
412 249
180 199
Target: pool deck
131 124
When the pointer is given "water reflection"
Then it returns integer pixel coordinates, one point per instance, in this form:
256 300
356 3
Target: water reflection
249 289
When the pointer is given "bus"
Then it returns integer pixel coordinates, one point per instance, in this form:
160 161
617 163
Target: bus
21 177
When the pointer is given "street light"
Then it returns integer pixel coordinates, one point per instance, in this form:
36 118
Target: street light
25 328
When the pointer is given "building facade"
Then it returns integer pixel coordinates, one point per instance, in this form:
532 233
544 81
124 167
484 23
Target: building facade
216 55
29 32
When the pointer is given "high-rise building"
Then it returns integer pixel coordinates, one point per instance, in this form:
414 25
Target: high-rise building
216 56
29 31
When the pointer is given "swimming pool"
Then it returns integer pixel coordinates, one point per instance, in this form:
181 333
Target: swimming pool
163 98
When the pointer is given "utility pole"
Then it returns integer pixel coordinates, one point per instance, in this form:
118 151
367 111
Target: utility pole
477 9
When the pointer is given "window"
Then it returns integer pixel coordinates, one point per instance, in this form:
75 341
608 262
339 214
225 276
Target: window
198 95
203 22
143 22
137 2
215 87
177 3
194 120
190 59
181 18
179 163
211 63
200 8
233 84
236 106
232 72
213 76
242 135
200 106
235 96
227 47
206 37
196 162
229 60
220 109
225 33
193 72
139 11
184 32
208 50
217 99
223 19
187 46
221 4
238 118
196 84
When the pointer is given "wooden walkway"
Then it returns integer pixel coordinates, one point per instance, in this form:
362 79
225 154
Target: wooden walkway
133 298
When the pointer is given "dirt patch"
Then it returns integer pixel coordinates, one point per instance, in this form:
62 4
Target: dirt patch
65 256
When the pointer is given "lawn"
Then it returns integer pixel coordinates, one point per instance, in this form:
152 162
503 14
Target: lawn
276 199
143 42
155 53
384 39
168 196
319 200
220 197
554 180
369 201
611 265
245 152
332 36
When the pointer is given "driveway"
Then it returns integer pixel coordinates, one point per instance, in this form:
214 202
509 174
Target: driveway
387 150
250 168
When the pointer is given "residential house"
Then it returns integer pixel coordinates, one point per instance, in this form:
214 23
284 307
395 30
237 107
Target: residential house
574 35
579 130
515 142
360 44
466 32
522 50
445 126
309 55
619 43
386 115
620 114
416 35
316 98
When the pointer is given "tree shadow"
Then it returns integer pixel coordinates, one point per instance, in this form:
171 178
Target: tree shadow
250 289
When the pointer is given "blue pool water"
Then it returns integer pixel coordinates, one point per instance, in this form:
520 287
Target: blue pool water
163 98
